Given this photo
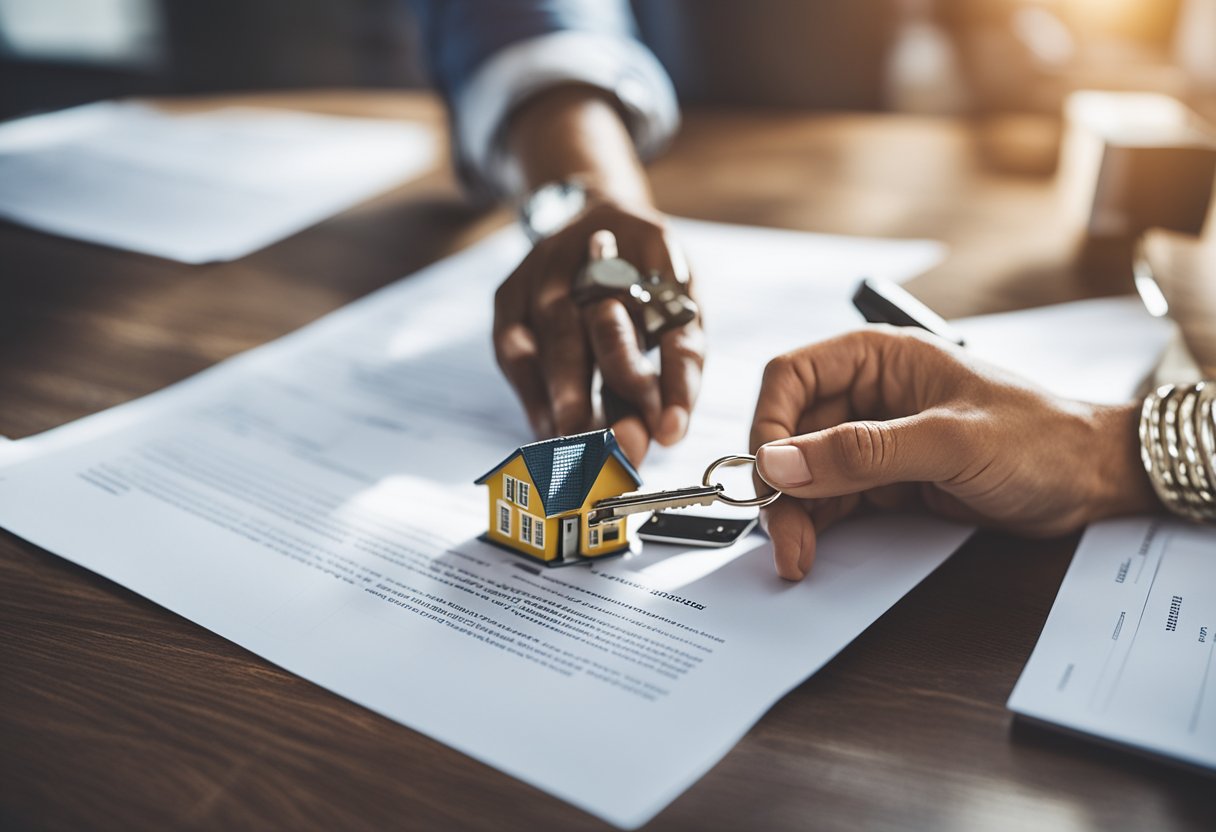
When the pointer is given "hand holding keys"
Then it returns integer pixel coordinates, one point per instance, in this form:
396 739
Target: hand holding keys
662 301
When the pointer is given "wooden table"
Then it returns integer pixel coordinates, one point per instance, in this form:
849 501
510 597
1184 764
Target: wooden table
115 713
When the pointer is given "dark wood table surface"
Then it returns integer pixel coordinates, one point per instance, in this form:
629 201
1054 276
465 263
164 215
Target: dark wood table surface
115 713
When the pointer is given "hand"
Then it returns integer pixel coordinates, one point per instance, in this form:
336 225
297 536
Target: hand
894 418
547 346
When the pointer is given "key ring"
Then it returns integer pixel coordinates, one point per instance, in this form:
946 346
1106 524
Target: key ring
737 459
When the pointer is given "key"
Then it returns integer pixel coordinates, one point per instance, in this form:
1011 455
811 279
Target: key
705 494
639 501
660 302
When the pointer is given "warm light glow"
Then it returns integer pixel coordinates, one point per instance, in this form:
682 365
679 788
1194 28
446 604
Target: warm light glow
1096 16
1102 10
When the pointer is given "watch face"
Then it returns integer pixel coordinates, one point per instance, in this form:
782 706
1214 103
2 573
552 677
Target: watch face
613 274
551 208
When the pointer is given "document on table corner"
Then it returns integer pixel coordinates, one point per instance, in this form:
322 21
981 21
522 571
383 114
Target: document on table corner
197 187
312 500
1128 653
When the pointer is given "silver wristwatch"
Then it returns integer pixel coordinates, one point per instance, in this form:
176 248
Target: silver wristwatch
551 207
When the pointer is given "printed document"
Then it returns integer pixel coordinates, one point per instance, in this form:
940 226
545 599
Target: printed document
1127 652
197 187
312 500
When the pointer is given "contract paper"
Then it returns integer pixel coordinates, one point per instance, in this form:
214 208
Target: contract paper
1109 335
312 500
197 187
1127 653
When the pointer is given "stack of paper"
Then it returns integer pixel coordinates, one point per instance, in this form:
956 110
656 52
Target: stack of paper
197 187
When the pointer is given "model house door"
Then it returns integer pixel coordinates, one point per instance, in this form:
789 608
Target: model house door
569 537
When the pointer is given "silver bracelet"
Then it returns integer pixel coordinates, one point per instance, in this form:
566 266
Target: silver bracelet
1178 448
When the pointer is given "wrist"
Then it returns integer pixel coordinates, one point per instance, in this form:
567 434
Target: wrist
577 132
1120 484
633 198
554 206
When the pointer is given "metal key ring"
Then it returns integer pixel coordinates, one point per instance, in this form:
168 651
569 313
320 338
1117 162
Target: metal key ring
737 459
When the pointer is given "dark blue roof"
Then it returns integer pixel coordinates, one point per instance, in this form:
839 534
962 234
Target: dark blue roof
565 468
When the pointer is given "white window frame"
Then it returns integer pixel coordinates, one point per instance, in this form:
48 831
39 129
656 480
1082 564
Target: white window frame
523 491
508 488
504 506
593 536
536 530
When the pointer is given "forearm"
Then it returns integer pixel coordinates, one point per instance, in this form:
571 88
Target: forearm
576 130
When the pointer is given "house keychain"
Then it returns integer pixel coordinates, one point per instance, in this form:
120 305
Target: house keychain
563 500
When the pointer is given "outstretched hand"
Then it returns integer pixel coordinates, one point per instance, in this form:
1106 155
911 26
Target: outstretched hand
896 419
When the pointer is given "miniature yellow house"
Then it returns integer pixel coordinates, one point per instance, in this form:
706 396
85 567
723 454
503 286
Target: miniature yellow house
541 494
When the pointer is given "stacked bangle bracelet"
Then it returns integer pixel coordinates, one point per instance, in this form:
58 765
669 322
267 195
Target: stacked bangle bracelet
1178 447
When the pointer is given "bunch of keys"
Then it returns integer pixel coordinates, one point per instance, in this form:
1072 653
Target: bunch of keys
705 494
664 303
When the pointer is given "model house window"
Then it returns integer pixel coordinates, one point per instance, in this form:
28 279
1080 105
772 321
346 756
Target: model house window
612 532
593 536
504 518
524 490
508 487
532 530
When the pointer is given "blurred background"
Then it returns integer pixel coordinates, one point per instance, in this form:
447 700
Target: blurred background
948 56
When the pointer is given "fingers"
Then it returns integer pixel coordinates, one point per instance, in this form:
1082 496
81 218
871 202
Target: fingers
795 526
518 356
947 505
858 456
626 370
540 344
876 372
633 437
565 365
682 358
795 382
790 529
894 497
681 350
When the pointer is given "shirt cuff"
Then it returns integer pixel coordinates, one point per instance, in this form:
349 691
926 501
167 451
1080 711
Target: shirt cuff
619 65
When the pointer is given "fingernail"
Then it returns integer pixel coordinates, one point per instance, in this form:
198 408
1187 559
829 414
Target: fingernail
602 245
782 466
675 423
633 438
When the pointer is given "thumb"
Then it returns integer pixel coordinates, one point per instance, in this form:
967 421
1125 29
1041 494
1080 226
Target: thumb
858 456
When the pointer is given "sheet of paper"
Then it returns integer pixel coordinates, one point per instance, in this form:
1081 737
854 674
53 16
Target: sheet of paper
1111 335
311 500
197 187
1128 653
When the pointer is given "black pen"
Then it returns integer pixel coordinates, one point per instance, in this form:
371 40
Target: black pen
883 302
